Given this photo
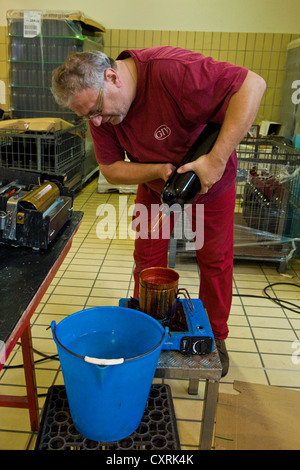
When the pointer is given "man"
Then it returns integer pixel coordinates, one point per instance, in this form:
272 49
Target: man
153 104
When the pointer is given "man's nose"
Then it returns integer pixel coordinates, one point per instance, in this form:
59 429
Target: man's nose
97 121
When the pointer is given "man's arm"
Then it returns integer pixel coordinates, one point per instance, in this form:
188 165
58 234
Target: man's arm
124 172
239 116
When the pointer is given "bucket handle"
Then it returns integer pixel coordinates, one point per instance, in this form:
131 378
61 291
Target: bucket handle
186 294
103 362
108 362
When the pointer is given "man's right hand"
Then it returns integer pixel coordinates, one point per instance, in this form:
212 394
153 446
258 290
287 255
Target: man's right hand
167 169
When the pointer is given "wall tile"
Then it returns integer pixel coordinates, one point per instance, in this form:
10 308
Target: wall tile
156 38
233 40
199 40
242 38
207 40
181 39
259 42
190 40
216 41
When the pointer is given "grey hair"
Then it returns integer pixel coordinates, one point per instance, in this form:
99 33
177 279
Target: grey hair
80 70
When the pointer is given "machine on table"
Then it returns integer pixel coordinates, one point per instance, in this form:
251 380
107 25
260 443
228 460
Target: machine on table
34 206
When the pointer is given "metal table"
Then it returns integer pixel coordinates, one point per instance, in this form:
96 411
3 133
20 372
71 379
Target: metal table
174 365
25 275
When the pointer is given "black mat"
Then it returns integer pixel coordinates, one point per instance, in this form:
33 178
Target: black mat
157 430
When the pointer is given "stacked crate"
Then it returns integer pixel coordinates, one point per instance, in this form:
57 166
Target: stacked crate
32 59
36 48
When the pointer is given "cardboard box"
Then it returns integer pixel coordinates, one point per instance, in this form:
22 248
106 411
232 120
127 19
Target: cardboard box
260 417
269 128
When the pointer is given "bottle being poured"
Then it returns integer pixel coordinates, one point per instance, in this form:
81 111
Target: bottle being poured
182 188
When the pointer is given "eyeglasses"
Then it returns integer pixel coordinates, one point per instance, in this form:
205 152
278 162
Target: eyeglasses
88 117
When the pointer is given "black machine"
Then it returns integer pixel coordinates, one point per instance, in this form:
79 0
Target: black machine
34 206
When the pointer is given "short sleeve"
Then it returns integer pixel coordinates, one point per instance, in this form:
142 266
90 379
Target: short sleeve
207 88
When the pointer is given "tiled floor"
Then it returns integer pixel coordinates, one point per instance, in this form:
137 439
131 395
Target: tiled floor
98 272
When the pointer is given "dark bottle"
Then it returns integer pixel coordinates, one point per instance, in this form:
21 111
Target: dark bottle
183 188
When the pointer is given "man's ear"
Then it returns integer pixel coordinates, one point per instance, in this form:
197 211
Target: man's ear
112 77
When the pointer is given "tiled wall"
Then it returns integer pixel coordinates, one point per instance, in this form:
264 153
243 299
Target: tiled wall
265 54
262 53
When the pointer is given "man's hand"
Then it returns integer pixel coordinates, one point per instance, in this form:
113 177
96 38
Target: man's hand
166 170
208 170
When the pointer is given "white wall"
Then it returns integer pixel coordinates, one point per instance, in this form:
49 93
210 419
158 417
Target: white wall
268 16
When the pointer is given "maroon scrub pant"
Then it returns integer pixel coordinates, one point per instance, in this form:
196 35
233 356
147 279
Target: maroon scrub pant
214 258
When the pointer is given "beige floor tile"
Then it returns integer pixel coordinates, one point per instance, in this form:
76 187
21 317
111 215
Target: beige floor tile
75 282
14 440
18 420
80 275
108 284
237 320
87 260
84 268
102 301
67 299
295 322
257 302
270 310
269 322
71 290
110 276
106 270
245 359
250 284
189 432
249 277
236 310
275 346
45 346
245 374
41 331
241 344
284 378
270 333
240 332
280 361
60 309
188 409
106 292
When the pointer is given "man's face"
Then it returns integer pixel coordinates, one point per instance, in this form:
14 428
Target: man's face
101 106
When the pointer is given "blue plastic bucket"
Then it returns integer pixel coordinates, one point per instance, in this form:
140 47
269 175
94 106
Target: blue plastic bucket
108 358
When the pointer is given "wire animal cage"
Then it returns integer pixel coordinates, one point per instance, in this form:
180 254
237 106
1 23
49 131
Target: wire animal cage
57 151
267 211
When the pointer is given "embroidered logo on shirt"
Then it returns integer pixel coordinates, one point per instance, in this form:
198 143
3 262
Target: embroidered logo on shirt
162 132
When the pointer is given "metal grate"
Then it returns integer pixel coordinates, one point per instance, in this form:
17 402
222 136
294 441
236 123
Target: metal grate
267 187
157 430
59 152
267 210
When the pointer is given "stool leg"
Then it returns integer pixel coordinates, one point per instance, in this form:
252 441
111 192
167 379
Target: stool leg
193 386
27 352
209 413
